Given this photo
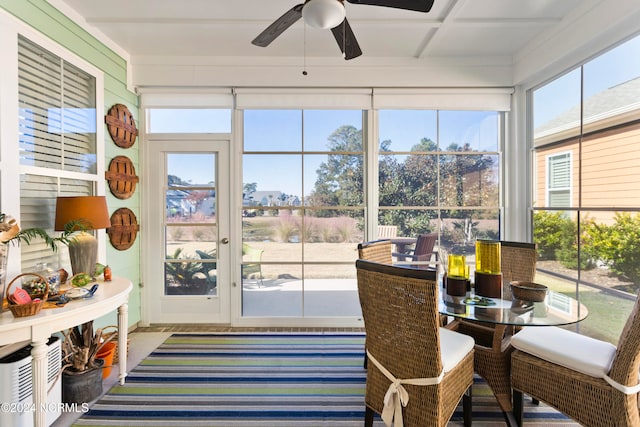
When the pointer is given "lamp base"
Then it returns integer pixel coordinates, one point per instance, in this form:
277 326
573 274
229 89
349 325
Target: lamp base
83 252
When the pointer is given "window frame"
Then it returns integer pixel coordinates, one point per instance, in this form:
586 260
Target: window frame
11 171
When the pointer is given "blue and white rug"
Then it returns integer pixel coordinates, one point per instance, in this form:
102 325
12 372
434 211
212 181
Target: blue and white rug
262 379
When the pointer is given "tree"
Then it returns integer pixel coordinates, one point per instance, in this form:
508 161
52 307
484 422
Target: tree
175 180
409 183
467 179
464 179
249 188
340 179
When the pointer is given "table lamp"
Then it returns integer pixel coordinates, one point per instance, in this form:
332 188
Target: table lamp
91 213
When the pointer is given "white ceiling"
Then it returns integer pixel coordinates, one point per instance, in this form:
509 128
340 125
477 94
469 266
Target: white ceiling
224 28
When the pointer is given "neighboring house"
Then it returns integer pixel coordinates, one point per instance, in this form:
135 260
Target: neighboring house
610 163
182 203
270 199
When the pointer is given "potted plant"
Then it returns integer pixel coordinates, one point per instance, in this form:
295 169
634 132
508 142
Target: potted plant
10 233
81 369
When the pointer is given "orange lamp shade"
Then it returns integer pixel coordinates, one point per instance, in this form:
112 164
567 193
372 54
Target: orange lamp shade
91 211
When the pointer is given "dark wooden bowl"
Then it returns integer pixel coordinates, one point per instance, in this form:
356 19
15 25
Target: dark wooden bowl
528 291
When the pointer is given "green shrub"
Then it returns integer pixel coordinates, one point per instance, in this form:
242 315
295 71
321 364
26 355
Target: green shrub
557 237
618 245
551 232
567 254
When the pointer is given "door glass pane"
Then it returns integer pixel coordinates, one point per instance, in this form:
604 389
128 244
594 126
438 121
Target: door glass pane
191 229
191 170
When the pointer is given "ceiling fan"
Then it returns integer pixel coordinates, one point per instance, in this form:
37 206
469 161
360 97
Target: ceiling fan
327 14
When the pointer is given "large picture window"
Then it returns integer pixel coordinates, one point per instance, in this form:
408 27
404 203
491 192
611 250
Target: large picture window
586 204
305 205
303 211
439 172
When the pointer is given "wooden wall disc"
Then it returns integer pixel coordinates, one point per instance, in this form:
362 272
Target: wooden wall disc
124 229
121 126
121 177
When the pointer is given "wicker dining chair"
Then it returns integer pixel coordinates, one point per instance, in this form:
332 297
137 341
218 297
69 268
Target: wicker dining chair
376 251
591 381
492 360
407 348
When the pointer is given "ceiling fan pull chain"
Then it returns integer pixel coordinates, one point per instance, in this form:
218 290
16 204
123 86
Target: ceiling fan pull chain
304 49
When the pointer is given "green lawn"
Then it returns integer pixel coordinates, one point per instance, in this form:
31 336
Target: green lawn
607 313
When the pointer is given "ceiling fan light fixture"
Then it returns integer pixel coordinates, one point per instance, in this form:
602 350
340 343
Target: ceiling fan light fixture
323 14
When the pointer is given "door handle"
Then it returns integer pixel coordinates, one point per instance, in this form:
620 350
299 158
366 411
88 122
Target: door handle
224 241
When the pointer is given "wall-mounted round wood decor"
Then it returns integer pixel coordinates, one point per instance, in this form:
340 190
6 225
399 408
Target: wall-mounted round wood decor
121 177
124 229
121 126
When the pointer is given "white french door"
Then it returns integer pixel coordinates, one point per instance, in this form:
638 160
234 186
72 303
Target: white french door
188 279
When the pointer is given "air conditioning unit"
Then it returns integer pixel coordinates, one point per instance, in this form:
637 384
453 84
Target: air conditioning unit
16 386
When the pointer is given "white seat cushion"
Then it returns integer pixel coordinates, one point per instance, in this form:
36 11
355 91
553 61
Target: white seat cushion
569 349
453 348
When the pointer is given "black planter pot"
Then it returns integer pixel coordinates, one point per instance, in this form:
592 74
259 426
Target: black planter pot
82 387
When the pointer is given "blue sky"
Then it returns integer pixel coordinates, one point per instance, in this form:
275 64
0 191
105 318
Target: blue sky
614 67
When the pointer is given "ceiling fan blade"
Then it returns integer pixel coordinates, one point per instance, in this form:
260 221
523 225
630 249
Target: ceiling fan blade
279 26
346 40
417 5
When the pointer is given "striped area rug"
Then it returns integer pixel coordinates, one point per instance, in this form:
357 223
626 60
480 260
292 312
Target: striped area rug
261 379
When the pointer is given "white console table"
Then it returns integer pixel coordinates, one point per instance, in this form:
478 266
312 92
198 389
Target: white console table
38 328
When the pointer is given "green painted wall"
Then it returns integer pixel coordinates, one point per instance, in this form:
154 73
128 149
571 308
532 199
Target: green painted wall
48 20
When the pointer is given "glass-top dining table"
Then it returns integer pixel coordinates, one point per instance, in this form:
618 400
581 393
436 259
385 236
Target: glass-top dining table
556 310
504 318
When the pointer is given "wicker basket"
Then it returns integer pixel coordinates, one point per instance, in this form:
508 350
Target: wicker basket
114 337
32 308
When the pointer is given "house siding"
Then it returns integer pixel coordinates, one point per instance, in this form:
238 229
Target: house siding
42 16
610 170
